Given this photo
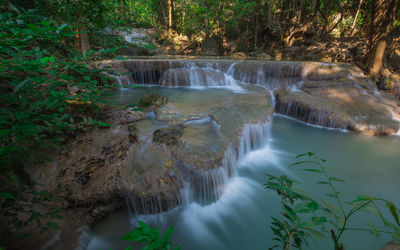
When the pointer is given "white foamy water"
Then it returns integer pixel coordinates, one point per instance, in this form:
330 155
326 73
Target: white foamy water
240 217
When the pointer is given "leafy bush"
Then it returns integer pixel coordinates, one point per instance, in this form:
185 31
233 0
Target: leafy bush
38 84
331 219
48 92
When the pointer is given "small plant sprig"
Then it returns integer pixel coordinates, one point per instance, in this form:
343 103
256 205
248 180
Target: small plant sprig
292 231
151 236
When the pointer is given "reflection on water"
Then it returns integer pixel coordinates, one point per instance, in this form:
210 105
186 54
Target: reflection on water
240 218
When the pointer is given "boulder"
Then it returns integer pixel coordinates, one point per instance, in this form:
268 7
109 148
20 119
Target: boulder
390 83
338 104
152 99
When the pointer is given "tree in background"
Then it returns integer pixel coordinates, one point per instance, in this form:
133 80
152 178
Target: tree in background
383 17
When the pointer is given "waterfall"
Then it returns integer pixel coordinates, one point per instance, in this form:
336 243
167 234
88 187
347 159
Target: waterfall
199 73
210 184
200 185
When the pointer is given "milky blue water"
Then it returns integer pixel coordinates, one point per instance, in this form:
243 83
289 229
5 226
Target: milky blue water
240 218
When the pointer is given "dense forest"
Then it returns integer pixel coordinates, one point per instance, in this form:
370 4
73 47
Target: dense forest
51 90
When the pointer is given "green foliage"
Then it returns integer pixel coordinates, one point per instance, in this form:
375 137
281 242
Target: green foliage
332 219
38 85
290 229
151 236
29 205
43 83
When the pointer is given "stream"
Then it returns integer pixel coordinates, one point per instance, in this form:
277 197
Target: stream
240 217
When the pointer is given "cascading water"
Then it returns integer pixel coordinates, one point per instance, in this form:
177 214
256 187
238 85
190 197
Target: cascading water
225 199
205 186
210 184
271 75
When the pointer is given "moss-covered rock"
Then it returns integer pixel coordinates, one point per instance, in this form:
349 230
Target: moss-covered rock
152 99
168 135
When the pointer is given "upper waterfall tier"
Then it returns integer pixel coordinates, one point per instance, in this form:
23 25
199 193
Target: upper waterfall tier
329 95
271 75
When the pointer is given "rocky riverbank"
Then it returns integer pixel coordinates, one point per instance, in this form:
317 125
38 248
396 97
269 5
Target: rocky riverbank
145 166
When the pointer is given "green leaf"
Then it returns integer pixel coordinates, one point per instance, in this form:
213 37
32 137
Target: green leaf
312 170
364 198
7 196
373 230
393 211
53 225
5 132
45 60
45 23
332 208
101 124
313 205
336 179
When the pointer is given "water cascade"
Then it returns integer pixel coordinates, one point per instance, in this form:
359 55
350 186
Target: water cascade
204 186
271 75
209 185
205 196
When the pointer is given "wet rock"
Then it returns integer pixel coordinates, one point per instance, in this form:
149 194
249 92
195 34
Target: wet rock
212 46
102 210
132 127
239 55
264 56
125 116
259 55
168 135
346 107
392 245
390 83
83 179
152 99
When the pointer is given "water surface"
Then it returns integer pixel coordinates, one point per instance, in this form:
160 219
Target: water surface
240 218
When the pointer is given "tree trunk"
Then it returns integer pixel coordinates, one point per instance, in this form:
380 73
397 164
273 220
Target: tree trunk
183 14
77 43
383 15
355 18
207 23
258 8
170 16
268 23
85 46
163 13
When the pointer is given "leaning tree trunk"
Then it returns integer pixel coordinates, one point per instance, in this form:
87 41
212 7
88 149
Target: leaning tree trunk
383 14
163 14
355 18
